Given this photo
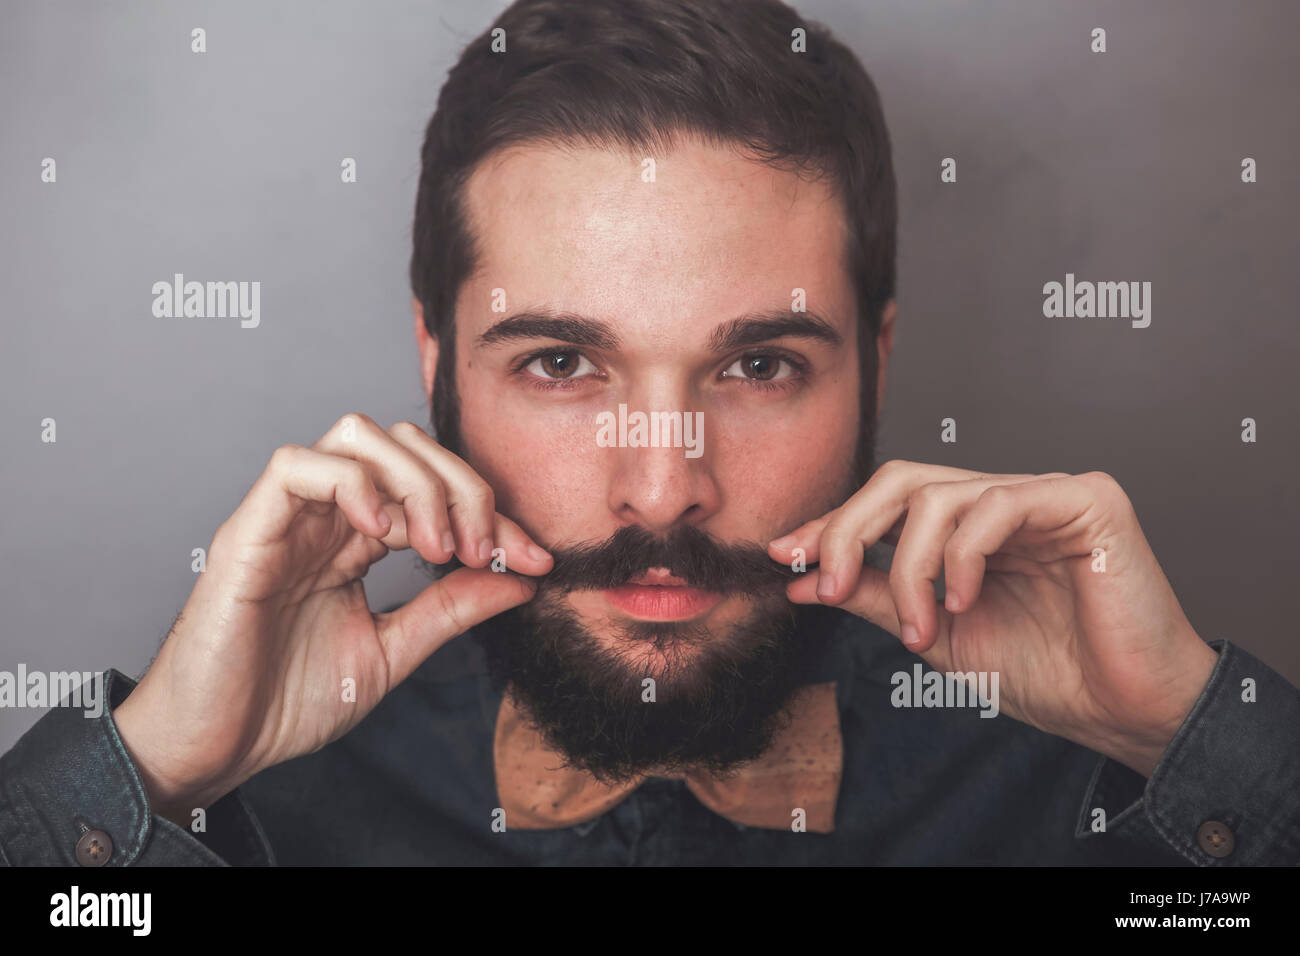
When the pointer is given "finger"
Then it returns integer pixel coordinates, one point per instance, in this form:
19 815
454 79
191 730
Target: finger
887 511
397 538
933 515
443 610
471 505
516 550
1052 511
884 495
297 475
403 476
918 559
513 549
873 600
928 517
782 548
870 598
354 560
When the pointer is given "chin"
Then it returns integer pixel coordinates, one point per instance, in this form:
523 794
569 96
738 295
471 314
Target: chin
719 682
657 649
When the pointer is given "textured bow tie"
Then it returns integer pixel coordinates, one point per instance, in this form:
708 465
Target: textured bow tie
800 770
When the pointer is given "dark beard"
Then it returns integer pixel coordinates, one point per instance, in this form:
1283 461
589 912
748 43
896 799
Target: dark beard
719 697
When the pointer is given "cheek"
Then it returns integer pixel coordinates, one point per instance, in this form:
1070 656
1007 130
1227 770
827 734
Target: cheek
544 467
788 460
787 470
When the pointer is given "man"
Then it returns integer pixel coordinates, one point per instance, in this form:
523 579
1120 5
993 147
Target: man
653 287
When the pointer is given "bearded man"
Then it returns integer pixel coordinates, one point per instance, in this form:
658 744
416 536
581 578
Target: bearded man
677 655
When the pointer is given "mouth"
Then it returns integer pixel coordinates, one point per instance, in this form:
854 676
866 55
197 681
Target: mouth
658 595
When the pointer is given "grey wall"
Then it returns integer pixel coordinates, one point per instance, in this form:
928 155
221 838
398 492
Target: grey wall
1120 166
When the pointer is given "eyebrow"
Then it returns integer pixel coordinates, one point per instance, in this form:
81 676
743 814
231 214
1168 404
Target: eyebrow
752 329
759 327
565 326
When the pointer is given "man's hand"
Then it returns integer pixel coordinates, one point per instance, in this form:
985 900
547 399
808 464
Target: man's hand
1105 658
254 671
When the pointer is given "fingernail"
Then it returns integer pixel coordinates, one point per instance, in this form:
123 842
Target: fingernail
825 585
448 542
536 553
783 544
484 550
910 636
950 601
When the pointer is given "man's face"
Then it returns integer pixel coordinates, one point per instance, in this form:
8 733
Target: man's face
676 296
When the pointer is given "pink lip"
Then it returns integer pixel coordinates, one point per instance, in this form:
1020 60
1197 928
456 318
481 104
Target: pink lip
658 577
657 595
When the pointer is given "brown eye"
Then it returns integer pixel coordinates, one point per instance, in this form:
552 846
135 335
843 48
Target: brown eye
762 367
559 364
555 366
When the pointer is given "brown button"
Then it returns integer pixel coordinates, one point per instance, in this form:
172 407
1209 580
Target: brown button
1215 838
94 848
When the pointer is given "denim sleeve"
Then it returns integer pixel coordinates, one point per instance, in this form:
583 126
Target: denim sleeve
1226 791
71 775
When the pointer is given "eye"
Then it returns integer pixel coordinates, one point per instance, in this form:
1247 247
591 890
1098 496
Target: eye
761 367
560 365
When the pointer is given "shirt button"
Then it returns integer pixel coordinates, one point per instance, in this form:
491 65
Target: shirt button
94 848
1215 838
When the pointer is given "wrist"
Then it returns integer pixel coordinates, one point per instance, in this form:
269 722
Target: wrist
172 794
1141 749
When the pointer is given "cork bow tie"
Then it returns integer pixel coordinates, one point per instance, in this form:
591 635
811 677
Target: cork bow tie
801 770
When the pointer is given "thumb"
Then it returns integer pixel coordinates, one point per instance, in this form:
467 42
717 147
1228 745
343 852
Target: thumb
445 609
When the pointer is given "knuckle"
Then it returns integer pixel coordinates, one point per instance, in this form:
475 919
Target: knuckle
1100 480
480 492
928 497
447 607
957 551
354 475
434 493
835 537
899 572
899 586
358 420
284 457
890 468
1107 489
996 496
407 429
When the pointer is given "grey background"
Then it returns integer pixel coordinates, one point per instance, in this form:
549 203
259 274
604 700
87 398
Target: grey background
225 166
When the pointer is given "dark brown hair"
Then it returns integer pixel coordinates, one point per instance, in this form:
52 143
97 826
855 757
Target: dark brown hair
636 73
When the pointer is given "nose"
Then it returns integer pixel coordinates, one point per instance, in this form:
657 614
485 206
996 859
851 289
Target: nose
660 487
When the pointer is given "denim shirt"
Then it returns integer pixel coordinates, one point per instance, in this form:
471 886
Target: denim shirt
414 784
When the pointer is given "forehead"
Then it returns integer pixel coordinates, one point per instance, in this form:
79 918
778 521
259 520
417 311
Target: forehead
715 234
